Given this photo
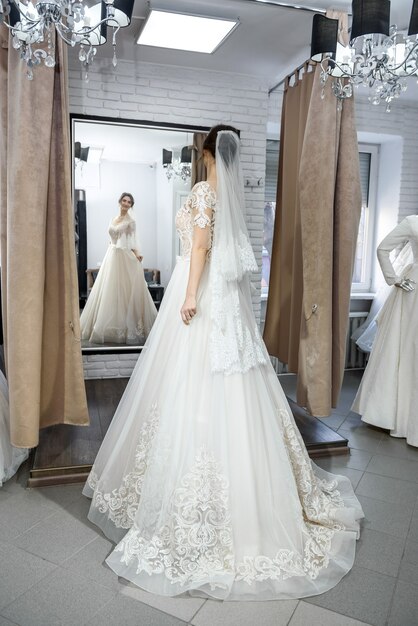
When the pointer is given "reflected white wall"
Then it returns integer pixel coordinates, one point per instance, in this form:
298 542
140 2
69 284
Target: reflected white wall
165 223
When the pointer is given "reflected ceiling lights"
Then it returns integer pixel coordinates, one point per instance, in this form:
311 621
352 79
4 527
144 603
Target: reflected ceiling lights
180 31
32 23
379 56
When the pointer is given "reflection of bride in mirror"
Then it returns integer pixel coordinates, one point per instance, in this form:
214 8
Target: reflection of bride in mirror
119 308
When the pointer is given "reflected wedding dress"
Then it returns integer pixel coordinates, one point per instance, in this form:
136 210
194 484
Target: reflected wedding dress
10 457
119 308
203 480
388 394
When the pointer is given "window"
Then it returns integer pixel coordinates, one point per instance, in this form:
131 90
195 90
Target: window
364 259
365 252
272 166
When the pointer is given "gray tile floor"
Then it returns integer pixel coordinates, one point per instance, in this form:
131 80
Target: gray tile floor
52 571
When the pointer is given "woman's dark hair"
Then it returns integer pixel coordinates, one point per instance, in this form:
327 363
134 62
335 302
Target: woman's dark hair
210 142
130 196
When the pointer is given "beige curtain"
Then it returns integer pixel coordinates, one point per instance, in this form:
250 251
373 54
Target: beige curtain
330 205
284 304
198 167
38 266
325 195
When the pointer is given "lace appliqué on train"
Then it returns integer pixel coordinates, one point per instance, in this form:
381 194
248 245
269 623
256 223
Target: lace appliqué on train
319 498
121 504
196 543
129 336
287 563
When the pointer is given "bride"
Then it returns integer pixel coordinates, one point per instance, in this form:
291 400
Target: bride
119 308
203 480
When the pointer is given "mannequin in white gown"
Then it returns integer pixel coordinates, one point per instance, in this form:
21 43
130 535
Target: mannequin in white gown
10 457
388 393
203 480
365 334
119 308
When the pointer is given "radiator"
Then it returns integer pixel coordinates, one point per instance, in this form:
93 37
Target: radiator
354 358
279 367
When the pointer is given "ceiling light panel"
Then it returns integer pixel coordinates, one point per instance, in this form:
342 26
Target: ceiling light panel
180 31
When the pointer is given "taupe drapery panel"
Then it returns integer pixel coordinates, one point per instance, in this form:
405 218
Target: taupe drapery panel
330 205
198 167
284 304
39 280
325 195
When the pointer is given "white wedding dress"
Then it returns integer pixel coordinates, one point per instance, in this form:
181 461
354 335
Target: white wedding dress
10 457
388 393
119 308
365 334
203 480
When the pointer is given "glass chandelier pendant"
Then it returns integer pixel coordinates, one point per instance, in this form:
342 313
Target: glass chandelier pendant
379 57
35 25
179 166
179 170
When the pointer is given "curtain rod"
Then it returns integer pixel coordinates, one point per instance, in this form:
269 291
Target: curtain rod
297 7
289 76
286 5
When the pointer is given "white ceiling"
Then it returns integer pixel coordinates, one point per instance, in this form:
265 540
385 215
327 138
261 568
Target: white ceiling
130 144
269 42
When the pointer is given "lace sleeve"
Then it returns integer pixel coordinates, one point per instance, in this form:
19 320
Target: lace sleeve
203 201
202 204
399 236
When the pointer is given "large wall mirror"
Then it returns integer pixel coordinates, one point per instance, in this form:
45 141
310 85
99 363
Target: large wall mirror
127 246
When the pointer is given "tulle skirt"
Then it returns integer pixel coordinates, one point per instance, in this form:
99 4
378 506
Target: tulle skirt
388 394
10 457
203 480
119 308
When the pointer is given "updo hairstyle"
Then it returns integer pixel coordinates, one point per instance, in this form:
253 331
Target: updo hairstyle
210 142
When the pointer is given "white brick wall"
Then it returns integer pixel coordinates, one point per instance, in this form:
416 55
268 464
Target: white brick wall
181 96
109 365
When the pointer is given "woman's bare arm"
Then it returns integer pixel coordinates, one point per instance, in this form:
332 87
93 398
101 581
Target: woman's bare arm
201 242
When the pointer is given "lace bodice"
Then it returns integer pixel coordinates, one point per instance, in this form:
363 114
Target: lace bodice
123 233
198 210
405 232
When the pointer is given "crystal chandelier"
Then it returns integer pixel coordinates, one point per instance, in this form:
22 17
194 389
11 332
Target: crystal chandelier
379 57
32 24
180 166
